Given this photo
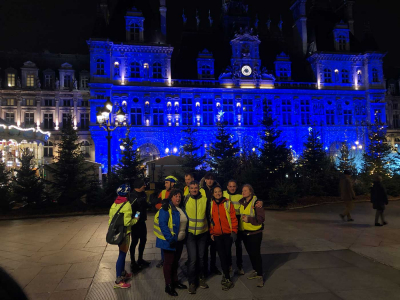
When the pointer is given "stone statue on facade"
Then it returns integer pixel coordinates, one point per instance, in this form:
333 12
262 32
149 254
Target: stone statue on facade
75 84
57 84
18 82
38 84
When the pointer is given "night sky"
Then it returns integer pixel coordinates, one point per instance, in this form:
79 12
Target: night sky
63 26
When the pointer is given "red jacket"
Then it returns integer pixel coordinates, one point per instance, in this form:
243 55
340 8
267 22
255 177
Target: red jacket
221 224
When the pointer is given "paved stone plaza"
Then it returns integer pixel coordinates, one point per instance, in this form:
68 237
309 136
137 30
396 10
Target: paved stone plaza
307 254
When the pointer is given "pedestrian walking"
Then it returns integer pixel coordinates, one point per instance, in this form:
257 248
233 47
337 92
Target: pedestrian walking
251 226
126 209
379 199
170 228
347 195
223 230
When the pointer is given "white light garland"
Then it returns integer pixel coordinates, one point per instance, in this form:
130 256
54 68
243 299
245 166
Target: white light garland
26 129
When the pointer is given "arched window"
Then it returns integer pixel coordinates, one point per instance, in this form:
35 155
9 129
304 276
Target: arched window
134 30
345 76
85 148
48 149
375 75
135 70
100 67
116 68
157 71
342 43
327 76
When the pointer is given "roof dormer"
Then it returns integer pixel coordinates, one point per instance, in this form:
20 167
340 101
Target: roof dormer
341 35
134 26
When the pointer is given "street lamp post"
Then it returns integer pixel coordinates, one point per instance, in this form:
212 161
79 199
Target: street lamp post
104 121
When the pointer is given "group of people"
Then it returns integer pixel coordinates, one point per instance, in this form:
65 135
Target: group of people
204 217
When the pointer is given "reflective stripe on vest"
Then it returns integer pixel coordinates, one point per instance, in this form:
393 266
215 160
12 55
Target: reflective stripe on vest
235 200
249 212
196 212
157 230
227 206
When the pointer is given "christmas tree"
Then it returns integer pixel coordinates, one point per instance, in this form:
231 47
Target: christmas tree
223 154
69 170
189 157
345 160
27 186
4 185
129 166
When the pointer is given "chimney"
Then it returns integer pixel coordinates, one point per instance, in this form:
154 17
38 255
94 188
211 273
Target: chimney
163 15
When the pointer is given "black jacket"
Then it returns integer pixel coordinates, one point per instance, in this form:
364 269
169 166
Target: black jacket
140 204
208 190
378 196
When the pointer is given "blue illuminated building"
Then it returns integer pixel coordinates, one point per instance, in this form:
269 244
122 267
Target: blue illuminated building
227 66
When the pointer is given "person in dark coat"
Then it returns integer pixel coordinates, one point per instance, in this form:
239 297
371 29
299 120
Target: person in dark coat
379 199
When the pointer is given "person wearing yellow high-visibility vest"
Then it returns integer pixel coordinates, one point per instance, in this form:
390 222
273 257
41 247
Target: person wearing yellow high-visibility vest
170 228
196 207
232 193
223 230
251 226
189 177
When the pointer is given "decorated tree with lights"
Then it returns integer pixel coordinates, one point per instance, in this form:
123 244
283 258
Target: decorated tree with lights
223 154
189 157
4 185
129 166
27 185
346 160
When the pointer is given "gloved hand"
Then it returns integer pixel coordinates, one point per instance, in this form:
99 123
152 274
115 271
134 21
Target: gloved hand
165 205
234 237
172 244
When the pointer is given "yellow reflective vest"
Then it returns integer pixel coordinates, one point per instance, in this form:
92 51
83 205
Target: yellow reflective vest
227 206
196 209
163 193
186 191
249 212
157 230
127 211
235 200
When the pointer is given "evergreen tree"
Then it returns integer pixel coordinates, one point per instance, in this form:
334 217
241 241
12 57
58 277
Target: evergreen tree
27 185
4 185
223 155
129 166
345 160
275 157
189 157
69 170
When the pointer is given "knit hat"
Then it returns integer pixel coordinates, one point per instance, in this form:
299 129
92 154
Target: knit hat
138 183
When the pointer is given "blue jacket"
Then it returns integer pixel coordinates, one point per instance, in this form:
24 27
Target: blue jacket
163 221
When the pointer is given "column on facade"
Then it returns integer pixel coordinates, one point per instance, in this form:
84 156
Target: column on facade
38 111
56 112
19 101
75 110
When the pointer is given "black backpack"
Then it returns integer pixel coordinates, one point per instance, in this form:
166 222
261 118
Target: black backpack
116 231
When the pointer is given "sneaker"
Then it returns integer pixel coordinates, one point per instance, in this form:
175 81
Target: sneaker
239 271
126 275
350 220
378 224
192 288
228 284
160 264
260 281
253 275
215 271
202 283
135 267
143 263
120 284
223 279
342 217
385 223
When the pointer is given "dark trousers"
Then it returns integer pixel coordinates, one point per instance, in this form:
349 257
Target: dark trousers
213 254
223 244
171 263
196 248
252 243
379 213
239 249
139 232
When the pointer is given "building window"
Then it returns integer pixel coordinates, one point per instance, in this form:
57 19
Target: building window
65 120
345 76
67 102
248 111
348 117
116 69
327 76
305 112
158 116
30 102
135 70
48 149
395 106
286 112
136 116
10 118
187 111
10 102
157 71
342 43
84 103
100 67
227 108
396 121
134 30
48 102
48 121
48 82
330 117
67 81
283 74
208 112
267 108
30 80
205 72
85 121
85 82
29 119
375 75
11 80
